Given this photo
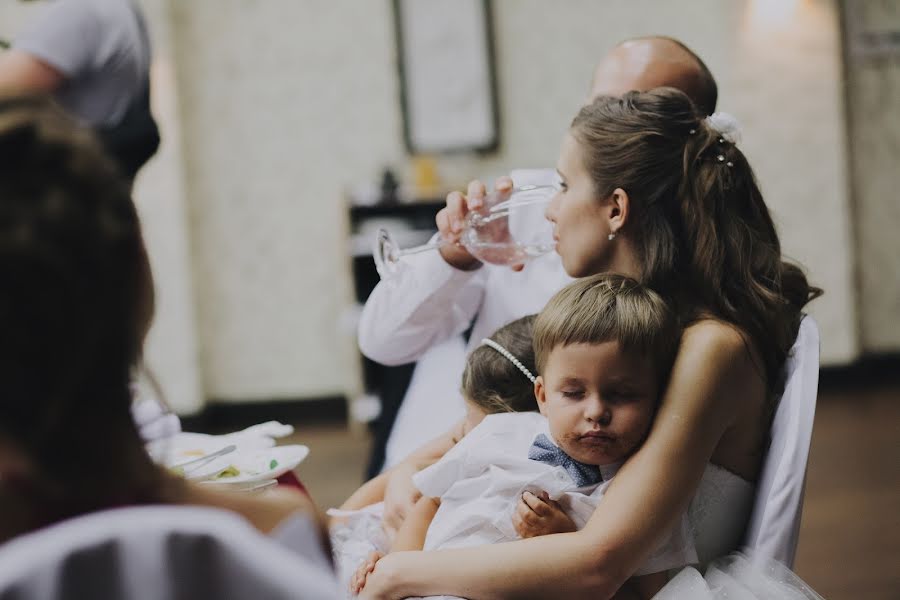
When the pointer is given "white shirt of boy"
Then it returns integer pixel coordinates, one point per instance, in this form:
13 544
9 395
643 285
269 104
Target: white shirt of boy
419 312
480 481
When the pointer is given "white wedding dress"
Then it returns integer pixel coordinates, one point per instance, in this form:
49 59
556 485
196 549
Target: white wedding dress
718 516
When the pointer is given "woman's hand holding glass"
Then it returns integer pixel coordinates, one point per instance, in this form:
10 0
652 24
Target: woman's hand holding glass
504 227
451 221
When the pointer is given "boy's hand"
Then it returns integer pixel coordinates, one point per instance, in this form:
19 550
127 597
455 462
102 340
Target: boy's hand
536 516
358 581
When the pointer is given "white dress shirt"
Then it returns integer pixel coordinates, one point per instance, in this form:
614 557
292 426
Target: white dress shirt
419 312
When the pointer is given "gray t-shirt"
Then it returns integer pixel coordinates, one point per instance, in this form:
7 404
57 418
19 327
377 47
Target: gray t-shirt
102 48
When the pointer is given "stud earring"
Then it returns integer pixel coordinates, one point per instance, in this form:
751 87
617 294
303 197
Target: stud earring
611 236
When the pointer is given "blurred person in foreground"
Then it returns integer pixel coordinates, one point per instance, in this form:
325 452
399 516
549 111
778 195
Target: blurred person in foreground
93 57
75 307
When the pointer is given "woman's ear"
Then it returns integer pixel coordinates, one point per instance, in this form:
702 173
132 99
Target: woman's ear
539 394
619 210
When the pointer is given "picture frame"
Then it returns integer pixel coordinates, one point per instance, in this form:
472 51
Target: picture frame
446 67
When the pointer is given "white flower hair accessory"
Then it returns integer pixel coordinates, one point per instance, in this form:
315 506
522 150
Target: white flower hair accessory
726 125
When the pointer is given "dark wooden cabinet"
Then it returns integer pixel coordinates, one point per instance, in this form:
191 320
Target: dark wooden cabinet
411 223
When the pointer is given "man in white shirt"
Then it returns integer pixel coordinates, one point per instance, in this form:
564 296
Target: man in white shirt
419 312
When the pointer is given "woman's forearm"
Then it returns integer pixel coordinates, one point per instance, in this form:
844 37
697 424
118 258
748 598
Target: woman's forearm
562 565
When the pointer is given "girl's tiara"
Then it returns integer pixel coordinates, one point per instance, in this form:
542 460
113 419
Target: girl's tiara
509 356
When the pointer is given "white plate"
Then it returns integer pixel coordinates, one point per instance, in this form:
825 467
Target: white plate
259 464
184 447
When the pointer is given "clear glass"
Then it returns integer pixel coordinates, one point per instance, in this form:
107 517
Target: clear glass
508 229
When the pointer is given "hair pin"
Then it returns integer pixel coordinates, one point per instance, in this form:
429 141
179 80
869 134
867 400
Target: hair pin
510 357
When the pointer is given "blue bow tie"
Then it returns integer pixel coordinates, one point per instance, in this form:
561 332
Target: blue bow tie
545 451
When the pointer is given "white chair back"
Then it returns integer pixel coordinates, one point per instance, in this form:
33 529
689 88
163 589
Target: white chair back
774 524
157 553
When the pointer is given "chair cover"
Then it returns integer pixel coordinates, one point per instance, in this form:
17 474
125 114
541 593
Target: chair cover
157 553
774 524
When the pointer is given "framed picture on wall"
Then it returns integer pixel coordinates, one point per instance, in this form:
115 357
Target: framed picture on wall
872 29
447 79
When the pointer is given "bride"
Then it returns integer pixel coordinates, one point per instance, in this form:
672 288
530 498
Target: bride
651 190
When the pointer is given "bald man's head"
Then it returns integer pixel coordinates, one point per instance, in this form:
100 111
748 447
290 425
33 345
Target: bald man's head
651 62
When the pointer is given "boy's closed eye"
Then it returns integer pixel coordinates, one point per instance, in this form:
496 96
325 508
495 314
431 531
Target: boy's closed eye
621 395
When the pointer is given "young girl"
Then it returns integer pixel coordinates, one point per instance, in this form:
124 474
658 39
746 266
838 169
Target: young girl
75 305
653 190
491 384
603 346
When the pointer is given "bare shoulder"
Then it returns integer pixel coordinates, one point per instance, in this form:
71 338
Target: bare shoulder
714 334
719 346
714 363
729 387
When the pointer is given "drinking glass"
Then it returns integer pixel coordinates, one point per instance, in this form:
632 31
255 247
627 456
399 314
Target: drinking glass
509 228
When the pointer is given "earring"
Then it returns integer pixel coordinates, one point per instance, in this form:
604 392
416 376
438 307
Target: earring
611 236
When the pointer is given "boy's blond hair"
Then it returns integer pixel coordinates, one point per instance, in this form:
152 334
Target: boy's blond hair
609 307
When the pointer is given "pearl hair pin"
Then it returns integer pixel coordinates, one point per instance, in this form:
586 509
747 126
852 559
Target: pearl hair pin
509 356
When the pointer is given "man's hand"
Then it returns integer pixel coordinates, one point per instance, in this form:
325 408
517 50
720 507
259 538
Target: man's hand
451 220
536 516
400 496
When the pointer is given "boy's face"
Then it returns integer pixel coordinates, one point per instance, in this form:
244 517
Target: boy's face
598 399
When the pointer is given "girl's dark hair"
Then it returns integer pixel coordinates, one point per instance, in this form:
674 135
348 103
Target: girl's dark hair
74 306
698 219
492 381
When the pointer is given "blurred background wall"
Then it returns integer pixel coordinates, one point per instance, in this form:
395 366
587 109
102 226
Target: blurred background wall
873 92
272 110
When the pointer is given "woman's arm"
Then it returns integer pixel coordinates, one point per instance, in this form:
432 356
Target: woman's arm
411 536
643 501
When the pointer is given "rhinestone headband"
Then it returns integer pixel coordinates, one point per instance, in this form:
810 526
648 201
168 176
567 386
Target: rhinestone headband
509 356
